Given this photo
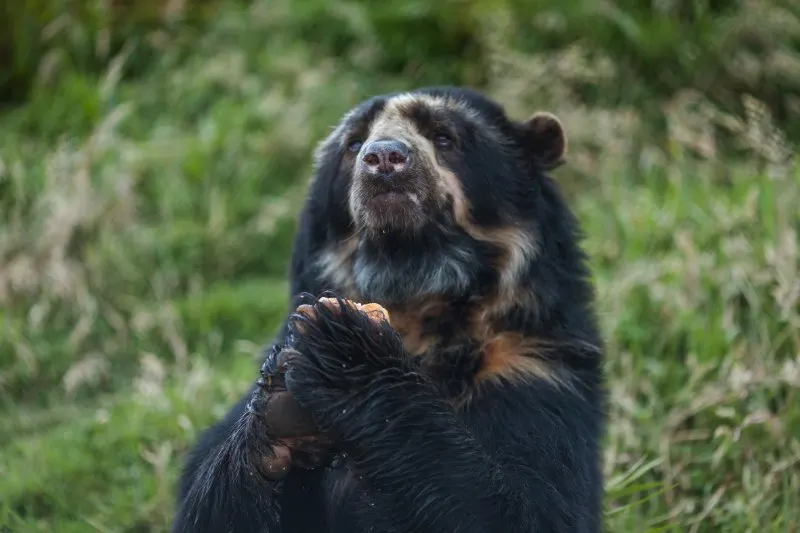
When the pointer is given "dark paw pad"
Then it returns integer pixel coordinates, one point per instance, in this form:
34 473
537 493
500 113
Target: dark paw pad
283 416
281 434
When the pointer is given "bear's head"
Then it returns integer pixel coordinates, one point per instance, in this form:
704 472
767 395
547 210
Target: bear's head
435 194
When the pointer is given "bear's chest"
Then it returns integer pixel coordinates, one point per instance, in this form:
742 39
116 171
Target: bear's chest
439 339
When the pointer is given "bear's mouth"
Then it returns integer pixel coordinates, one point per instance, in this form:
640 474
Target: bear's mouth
393 210
394 200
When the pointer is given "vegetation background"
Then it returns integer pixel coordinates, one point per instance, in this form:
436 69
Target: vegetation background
153 155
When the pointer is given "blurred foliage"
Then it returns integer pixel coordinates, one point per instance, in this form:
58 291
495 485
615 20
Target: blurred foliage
41 38
733 52
727 50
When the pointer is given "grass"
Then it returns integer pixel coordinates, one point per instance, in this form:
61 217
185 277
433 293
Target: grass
145 228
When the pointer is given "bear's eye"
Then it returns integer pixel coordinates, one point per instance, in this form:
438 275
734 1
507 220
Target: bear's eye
442 140
354 145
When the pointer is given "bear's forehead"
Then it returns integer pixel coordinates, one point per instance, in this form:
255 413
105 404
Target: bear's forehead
414 107
409 113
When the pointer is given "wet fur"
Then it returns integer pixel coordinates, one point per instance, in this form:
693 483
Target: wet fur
480 407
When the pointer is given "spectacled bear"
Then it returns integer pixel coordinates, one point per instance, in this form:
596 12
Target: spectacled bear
475 402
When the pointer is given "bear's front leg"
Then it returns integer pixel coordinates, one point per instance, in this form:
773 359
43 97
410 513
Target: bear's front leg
344 352
421 466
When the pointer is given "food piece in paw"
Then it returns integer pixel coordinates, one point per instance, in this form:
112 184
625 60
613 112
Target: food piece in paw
374 311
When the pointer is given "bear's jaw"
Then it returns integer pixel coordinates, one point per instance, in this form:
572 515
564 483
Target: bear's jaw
391 213
401 205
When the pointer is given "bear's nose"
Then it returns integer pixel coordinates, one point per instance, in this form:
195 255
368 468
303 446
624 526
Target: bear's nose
385 157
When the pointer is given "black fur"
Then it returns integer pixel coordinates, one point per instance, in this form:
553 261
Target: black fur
420 447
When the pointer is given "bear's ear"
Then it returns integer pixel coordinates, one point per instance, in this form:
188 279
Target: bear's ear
546 139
